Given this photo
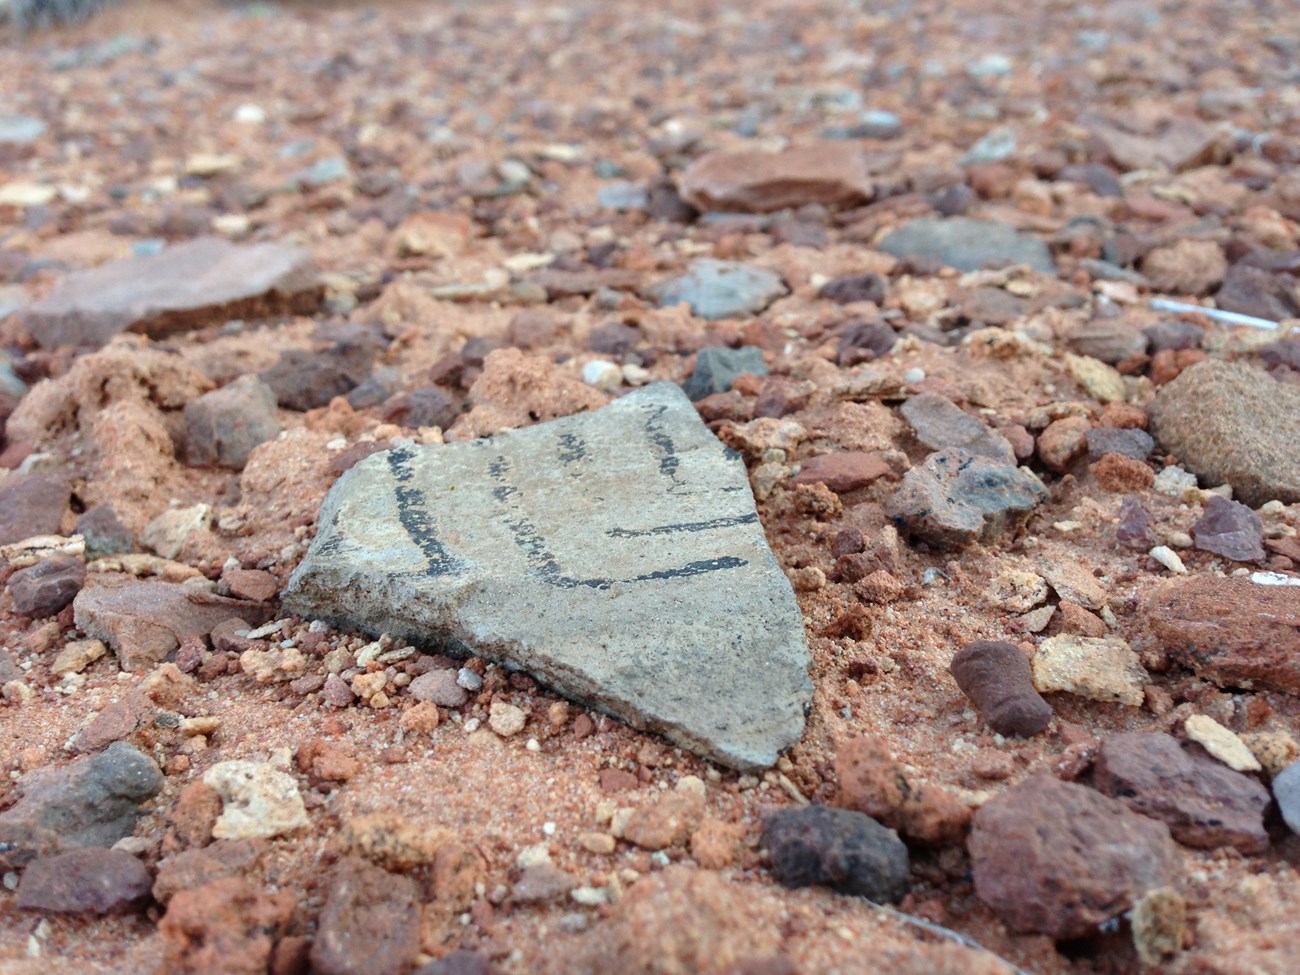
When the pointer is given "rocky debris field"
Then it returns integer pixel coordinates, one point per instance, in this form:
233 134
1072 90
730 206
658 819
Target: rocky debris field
744 489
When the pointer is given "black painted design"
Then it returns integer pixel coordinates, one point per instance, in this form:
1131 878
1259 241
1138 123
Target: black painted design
663 443
411 510
690 526
572 448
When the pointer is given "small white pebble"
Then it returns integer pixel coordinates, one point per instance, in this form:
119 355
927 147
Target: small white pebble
1274 579
468 679
1167 557
250 114
471 726
603 375
533 745
548 829
914 375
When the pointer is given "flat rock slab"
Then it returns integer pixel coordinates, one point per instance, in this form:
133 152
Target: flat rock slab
834 174
614 555
192 284
720 289
967 245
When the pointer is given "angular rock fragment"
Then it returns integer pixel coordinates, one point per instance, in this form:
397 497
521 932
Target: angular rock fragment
1286 790
615 555
1230 529
186 286
847 851
226 926
956 498
48 586
145 621
874 783
967 244
721 289
1098 668
1134 530
95 801
1231 423
1204 803
833 174
717 368
223 427
31 504
1060 859
941 424
257 800
1231 630
370 924
90 881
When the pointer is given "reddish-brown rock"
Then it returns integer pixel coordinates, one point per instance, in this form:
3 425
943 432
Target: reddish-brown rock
146 621
31 504
1060 859
1205 803
843 470
833 174
872 782
48 586
91 881
186 286
227 927
370 924
1232 631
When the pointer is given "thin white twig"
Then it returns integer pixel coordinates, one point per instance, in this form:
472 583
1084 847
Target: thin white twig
1227 317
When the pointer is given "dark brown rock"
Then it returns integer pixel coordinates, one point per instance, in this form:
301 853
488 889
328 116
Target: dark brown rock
1205 803
1134 529
541 884
255 585
854 287
1230 529
1174 335
31 504
1060 859
46 587
370 924
340 359
227 927
941 424
999 681
95 801
91 881
104 533
1231 423
146 621
191 869
204 281
428 406
872 782
862 341
1255 292
847 851
615 339
223 427
834 174
1230 630
780 396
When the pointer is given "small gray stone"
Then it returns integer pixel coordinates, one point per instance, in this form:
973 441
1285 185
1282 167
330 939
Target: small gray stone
994 147
941 424
223 427
1135 444
90 881
957 498
623 196
615 555
95 801
1230 529
967 244
721 289
1286 790
20 129
186 286
717 368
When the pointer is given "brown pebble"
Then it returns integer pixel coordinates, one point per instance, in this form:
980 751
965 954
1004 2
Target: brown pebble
999 681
